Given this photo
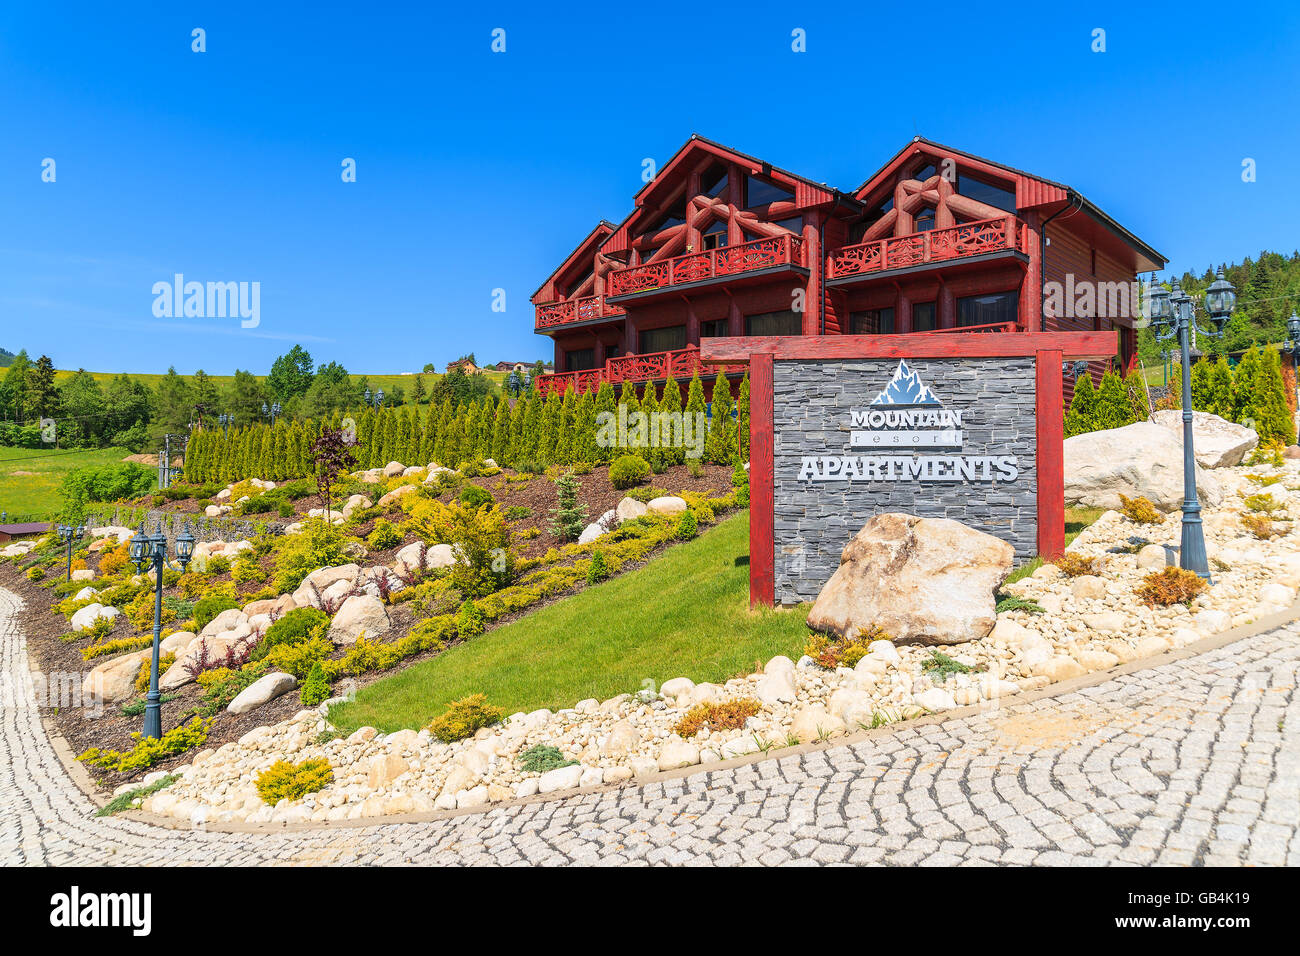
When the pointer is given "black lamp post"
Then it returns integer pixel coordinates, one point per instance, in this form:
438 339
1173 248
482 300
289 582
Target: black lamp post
1293 337
1174 314
377 400
69 534
151 549
225 421
271 412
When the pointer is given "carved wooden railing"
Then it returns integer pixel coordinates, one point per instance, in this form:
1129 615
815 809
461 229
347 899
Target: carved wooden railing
681 364
584 309
710 264
918 248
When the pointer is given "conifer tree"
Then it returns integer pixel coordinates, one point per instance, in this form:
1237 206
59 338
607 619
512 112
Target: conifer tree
674 452
1082 414
605 404
655 452
1201 374
721 446
1243 386
1113 407
1272 415
500 449
1220 401
695 410
548 434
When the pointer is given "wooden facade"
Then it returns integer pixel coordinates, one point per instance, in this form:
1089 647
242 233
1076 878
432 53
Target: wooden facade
723 245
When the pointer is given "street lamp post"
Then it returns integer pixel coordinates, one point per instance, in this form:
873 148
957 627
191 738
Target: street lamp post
377 400
68 534
1174 314
225 421
1293 336
271 412
151 549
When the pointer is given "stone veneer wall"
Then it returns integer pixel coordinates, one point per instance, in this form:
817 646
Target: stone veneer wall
812 405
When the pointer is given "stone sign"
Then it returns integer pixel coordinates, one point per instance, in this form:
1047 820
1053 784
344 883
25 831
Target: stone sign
936 438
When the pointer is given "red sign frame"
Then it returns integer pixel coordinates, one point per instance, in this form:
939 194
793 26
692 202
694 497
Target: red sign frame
1049 350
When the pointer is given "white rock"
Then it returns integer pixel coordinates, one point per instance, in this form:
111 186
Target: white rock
561 778
677 687
1142 459
935 700
85 617
667 505
262 691
677 754
1216 441
629 508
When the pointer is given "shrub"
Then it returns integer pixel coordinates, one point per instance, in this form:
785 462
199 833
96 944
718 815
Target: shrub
218 564
541 758
728 715
36 573
316 688
1076 565
1261 526
518 513
939 667
687 526
146 666
220 692
570 517
293 781
470 621
831 651
299 658
475 497
465 717
294 628
105 483
1266 453
383 536
598 570
484 558
207 608
1170 586
628 470
1263 503
247 570
113 561
1140 510
149 750
317 545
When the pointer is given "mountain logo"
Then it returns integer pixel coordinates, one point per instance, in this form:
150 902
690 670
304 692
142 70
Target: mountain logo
906 388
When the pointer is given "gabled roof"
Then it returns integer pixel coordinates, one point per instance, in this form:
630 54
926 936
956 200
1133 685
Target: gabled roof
807 192
1031 190
599 234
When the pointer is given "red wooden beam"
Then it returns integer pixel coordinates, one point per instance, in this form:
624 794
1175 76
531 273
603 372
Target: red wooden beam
1051 453
762 533
1072 345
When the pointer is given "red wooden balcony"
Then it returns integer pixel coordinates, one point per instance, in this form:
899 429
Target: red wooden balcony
681 364
921 248
745 257
575 310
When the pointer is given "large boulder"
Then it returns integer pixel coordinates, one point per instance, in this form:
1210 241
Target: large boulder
358 615
1216 441
262 691
922 580
315 584
1143 459
88 615
114 680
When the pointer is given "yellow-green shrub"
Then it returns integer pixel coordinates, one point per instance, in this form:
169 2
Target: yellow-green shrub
832 651
1140 510
1170 586
465 717
149 750
293 781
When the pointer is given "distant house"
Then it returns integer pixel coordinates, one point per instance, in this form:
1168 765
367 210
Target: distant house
511 366
8 532
464 364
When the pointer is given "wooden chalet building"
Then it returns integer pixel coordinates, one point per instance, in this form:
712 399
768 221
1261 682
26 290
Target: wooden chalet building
722 244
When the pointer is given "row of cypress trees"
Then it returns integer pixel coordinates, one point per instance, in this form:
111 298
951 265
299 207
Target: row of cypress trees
1253 393
535 433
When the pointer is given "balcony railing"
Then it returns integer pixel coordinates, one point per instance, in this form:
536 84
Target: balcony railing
681 364
710 264
919 248
575 310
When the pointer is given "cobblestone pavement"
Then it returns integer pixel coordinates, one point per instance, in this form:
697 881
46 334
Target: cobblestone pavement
1196 761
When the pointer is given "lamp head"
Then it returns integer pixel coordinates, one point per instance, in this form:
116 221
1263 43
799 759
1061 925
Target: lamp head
185 546
1158 306
1220 299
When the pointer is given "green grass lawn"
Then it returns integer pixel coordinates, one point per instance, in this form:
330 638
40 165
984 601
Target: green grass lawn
35 496
685 614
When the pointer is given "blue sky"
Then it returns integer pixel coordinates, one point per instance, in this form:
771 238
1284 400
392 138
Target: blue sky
478 171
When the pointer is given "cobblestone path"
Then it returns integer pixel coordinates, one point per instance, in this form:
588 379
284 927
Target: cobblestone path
1196 761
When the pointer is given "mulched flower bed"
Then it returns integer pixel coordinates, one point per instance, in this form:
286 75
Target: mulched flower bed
109 728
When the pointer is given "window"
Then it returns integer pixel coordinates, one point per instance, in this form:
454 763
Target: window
859 229
759 192
576 360
787 322
988 309
924 220
872 322
715 237
714 182
985 192
663 340
716 328
675 216
794 224
923 317
924 172
612 351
